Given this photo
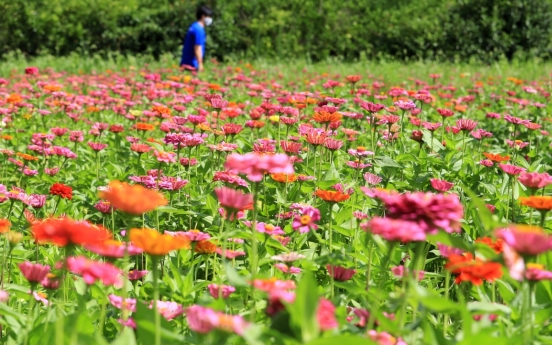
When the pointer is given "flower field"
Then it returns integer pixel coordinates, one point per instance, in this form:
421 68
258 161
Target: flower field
269 206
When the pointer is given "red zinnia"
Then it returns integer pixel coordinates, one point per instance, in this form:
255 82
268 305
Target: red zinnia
473 270
62 232
62 190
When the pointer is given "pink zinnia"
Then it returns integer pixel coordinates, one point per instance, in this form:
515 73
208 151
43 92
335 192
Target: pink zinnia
112 249
525 240
34 273
536 272
306 220
395 229
445 112
117 301
255 165
232 199
92 271
401 272
135 274
441 185
97 146
224 290
447 251
372 179
383 338
511 169
466 124
169 310
269 229
326 315
287 269
166 157
430 211
340 273
535 180
486 163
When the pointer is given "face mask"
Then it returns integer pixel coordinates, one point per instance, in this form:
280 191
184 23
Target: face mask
208 21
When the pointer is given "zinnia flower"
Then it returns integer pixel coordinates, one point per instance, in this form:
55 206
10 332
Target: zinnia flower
232 199
340 273
539 203
535 180
224 290
430 211
92 271
332 195
395 229
325 315
255 165
473 270
132 199
62 232
525 239
536 272
64 192
34 273
305 221
511 169
154 243
441 185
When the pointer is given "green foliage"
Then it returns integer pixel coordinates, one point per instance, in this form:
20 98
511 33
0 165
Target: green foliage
315 30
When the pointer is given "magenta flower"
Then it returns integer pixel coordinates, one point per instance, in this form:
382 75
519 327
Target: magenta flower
164 156
97 146
230 254
511 169
269 229
255 165
486 163
92 271
169 310
441 185
215 289
429 211
535 180
326 315
525 240
117 301
447 251
136 275
536 272
466 124
112 249
287 269
395 229
34 273
306 220
372 179
232 199
340 273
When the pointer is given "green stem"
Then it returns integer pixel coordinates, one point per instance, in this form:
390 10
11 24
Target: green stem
447 288
157 315
254 245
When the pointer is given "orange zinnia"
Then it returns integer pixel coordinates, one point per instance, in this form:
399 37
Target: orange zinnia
473 270
27 157
145 126
14 98
495 157
65 231
205 247
496 246
133 199
161 110
156 243
4 225
284 178
331 195
325 117
540 203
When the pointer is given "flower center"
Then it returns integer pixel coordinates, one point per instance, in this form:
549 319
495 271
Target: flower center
361 149
535 266
305 219
269 227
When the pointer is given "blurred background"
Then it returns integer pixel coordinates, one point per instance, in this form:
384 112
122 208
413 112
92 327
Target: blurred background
315 30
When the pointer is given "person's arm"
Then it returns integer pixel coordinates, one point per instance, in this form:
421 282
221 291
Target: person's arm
199 56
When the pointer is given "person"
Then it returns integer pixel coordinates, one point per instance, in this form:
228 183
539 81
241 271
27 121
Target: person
193 50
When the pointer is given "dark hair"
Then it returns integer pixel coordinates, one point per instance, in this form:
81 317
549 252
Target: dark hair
203 10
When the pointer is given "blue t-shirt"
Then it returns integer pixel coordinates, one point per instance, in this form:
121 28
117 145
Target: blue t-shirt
195 36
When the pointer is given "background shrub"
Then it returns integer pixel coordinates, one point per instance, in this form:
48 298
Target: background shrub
312 29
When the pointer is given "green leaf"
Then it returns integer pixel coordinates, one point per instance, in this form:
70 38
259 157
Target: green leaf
145 321
234 278
489 307
385 161
125 338
303 310
449 240
483 212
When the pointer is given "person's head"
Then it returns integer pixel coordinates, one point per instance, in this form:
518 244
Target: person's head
204 14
